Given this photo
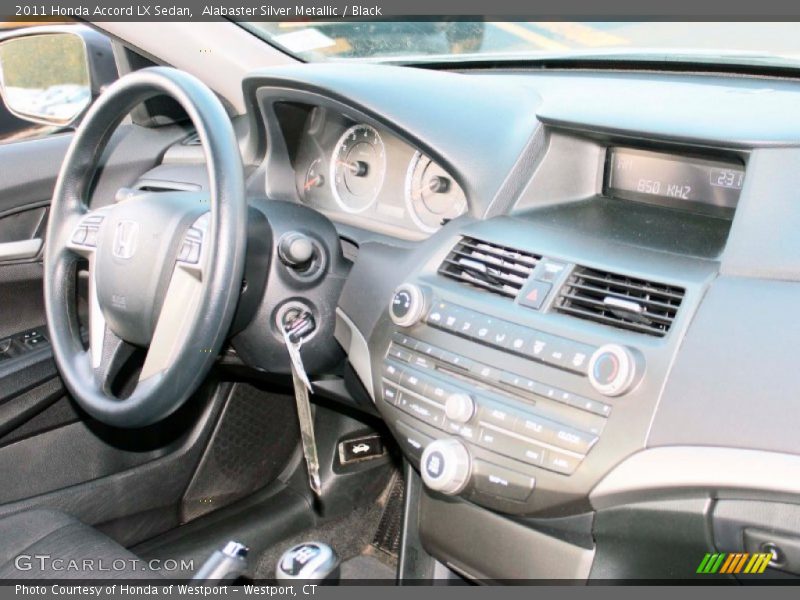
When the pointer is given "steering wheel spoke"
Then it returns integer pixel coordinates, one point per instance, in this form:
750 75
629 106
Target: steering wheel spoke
113 353
181 300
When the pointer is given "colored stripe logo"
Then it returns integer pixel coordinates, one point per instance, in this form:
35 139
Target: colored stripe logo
732 563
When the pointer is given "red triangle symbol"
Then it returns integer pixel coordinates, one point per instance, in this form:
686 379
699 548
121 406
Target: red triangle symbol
533 295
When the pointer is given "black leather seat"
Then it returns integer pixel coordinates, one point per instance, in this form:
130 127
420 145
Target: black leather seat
37 544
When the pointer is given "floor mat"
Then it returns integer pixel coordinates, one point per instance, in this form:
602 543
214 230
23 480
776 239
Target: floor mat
366 567
353 538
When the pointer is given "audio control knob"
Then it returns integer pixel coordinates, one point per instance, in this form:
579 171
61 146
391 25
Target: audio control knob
614 369
459 407
408 305
446 466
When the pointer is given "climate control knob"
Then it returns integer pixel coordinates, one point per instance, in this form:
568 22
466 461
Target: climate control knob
446 466
408 305
459 407
614 369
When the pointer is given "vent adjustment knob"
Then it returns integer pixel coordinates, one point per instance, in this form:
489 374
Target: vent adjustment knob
408 305
614 369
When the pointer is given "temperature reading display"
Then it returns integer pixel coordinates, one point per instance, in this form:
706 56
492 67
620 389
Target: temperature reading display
676 181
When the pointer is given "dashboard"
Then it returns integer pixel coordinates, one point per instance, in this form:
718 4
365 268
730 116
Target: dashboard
568 299
367 174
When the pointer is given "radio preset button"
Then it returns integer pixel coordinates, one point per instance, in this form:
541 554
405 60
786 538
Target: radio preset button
404 340
587 404
399 353
456 360
392 372
484 372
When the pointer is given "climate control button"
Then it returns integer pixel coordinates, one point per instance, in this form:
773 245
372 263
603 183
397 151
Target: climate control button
446 466
614 369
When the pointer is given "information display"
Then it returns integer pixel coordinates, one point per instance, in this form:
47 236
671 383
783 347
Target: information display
672 180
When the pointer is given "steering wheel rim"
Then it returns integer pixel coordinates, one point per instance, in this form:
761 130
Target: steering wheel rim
210 286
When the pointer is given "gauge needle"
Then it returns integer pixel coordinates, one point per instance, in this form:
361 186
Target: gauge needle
358 168
350 165
311 183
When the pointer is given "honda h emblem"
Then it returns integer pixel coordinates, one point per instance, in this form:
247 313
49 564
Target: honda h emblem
125 239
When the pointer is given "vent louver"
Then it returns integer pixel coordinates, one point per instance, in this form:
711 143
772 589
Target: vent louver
620 301
491 267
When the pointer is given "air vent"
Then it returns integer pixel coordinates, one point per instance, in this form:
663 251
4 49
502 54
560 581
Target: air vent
497 269
620 301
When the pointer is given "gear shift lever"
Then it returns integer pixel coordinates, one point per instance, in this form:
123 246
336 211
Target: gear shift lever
309 561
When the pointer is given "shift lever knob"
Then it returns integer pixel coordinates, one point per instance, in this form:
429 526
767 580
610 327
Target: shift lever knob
309 561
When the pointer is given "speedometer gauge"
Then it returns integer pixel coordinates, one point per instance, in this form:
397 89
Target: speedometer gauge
432 196
358 166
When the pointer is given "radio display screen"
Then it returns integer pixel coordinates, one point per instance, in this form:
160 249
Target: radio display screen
675 181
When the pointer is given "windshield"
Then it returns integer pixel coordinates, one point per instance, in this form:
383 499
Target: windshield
411 41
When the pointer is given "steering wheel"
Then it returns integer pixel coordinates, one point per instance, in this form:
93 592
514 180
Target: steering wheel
165 269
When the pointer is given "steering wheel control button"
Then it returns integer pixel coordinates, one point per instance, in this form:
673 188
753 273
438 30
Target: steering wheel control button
459 407
85 234
446 466
408 305
501 482
189 252
613 369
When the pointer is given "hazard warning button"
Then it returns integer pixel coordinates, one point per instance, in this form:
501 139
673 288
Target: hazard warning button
534 294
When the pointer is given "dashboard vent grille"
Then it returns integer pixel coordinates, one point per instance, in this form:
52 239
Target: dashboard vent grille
494 268
620 301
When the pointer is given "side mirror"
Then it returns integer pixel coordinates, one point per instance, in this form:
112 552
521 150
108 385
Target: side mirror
51 75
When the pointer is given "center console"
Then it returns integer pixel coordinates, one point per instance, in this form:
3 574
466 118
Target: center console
515 374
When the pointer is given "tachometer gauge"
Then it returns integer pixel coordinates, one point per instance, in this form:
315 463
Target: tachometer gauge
432 196
358 166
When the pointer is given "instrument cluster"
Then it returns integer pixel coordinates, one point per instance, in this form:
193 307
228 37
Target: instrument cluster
361 175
